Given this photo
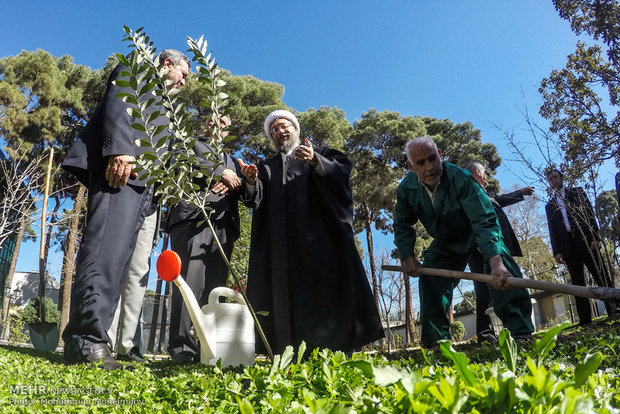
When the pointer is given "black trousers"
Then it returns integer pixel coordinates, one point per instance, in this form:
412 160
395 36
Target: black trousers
113 221
483 296
581 255
203 269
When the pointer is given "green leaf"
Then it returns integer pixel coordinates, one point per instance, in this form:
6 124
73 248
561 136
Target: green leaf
145 105
121 83
122 59
301 351
134 112
159 129
138 126
147 87
153 116
547 342
589 366
142 142
460 361
161 142
245 407
387 375
361 364
130 99
149 156
287 357
508 348
274 365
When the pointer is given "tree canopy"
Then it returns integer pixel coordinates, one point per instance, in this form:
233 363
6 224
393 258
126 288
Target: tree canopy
581 100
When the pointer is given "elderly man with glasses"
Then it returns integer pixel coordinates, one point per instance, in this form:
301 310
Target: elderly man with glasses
304 269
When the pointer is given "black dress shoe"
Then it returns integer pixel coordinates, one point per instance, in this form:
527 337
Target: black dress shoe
101 352
486 336
133 355
184 358
522 337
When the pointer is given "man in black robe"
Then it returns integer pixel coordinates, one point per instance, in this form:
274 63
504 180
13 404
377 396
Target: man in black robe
304 268
118 202
484 328
202 265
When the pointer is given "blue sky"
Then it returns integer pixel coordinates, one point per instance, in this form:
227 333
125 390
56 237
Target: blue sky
463 60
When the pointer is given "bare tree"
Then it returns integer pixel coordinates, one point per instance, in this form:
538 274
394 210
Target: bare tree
551 155
391 292
20 181
530 226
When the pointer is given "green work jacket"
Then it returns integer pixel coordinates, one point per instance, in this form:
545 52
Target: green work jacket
460 216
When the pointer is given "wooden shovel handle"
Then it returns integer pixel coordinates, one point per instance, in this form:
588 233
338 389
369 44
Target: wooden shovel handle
602 293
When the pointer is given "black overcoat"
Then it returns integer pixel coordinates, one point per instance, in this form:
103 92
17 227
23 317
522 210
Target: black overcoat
304 267
109 132
580 215
503 200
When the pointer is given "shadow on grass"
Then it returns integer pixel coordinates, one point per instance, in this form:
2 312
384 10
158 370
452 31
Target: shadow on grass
160 368
488 351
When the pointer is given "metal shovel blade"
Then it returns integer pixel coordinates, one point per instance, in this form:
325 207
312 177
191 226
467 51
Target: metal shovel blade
44 335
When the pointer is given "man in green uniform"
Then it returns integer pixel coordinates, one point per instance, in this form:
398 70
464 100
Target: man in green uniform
458 215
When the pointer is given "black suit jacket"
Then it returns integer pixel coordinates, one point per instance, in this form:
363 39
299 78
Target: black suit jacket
581 218
108 132
503 200
225 206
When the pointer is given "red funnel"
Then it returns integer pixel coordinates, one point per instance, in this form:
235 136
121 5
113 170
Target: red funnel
169 265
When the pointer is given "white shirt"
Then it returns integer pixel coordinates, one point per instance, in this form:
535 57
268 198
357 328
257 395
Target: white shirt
560 200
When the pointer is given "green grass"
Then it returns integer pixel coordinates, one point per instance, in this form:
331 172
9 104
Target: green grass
571 371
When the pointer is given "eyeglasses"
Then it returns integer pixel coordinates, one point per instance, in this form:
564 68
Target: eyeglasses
276 128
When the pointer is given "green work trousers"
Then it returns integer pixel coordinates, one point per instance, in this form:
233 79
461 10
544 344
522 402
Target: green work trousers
513 307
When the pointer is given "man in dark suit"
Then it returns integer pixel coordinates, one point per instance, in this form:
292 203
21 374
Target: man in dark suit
102 159
202 265
484 329
575 239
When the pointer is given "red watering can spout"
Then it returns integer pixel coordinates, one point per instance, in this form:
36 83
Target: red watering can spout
169 265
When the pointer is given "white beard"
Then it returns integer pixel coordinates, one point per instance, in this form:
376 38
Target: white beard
288 145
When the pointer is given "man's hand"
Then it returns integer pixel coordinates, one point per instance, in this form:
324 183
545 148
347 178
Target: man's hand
229 181
411 266
119 170
559 258
249 171
594 245
527 190
305 154
500 273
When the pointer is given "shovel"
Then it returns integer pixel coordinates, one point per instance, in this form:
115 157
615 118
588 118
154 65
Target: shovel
44 335
602 293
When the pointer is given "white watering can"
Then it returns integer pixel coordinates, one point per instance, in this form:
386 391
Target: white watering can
225 330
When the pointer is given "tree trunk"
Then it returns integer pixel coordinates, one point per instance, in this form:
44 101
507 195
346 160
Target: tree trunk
371 256
68 267
409 319
6 298
371 260
158 300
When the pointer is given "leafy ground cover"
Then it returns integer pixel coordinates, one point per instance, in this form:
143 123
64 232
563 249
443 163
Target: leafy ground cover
565 370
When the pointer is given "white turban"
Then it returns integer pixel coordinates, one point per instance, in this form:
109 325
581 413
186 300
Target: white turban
280 113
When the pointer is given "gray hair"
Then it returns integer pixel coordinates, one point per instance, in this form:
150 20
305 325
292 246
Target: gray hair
472 166
175 56
426 140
